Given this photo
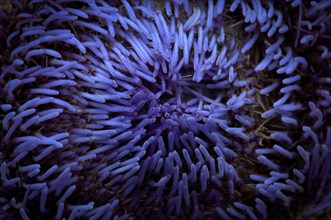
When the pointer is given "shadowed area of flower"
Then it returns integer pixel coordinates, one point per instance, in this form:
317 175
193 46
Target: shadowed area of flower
165 109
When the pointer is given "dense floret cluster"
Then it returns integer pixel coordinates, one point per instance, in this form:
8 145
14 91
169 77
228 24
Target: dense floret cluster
170 109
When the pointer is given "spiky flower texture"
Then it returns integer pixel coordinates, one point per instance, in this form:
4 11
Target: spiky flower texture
165 109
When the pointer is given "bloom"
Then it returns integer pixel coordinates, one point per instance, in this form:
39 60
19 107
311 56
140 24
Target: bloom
199 109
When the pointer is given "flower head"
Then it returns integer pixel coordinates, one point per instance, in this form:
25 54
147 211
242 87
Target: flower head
164 109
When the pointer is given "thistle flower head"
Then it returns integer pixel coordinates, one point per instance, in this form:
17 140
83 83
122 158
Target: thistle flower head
165 109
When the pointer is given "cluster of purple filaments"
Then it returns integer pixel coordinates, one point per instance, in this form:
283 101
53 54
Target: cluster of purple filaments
170 109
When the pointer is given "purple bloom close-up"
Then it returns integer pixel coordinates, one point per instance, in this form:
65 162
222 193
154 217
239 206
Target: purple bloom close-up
174 109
